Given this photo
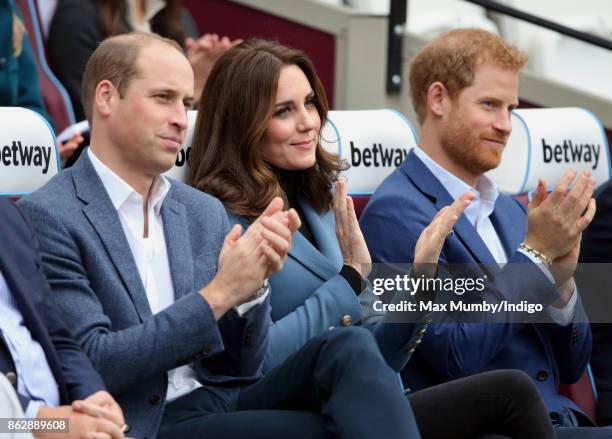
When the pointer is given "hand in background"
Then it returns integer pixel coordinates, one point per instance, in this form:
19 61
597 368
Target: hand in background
203 53
68 148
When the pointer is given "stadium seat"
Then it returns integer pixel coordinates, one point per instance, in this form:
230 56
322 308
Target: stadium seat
428 18
55 96
357 137
28 152
46 10
558 57
372 142
542 147
583 393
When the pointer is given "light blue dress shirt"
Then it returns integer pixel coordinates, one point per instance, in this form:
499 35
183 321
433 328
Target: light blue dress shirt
35 379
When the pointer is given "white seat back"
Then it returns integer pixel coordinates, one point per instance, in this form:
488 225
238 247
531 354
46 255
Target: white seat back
545 142
373 142
180 171
28 151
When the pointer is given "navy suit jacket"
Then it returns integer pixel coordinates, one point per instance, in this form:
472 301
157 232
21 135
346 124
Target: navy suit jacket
401 208
96 283
20 265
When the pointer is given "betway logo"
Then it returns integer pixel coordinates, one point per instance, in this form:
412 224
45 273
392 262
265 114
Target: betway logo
571 153
20 155
182 157
377 156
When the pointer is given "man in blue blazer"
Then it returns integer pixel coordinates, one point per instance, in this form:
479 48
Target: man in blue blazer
167 301
464 86
37 352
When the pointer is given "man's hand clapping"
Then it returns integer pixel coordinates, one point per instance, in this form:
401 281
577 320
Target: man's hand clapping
246 260
555 224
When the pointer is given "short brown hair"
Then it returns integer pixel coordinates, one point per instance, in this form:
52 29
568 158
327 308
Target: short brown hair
452 58
116 60
236 105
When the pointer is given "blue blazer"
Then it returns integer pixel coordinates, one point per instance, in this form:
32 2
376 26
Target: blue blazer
21 268
96 284
309 296
401 208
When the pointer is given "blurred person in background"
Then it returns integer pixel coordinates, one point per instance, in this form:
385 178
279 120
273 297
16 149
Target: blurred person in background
79 25
19 83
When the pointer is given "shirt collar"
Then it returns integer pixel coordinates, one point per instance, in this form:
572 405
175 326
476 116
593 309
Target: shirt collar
485 190
119 191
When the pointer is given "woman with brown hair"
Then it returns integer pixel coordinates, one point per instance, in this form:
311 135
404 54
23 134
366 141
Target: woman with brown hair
257 137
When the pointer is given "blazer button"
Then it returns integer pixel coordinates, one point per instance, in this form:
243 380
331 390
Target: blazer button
155 399
347 320
554 417
12 378
542 376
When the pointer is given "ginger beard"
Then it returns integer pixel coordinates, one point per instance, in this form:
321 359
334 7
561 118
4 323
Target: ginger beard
468 146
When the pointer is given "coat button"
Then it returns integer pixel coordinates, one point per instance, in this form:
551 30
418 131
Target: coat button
347 320
3 62
554 417
542 376
155 399
12 378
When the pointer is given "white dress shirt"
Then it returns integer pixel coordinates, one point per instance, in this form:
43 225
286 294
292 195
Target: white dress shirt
35 379
479 214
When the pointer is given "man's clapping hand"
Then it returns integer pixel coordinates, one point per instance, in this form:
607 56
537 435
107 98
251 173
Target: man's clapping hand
246 260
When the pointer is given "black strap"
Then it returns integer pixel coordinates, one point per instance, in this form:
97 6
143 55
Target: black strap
6 359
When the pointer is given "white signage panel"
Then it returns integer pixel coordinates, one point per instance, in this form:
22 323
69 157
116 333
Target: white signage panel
28 151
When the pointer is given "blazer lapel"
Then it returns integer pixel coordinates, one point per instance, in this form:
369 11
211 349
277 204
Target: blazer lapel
177 244
325 262
19 288
511 233
427 183
103 217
